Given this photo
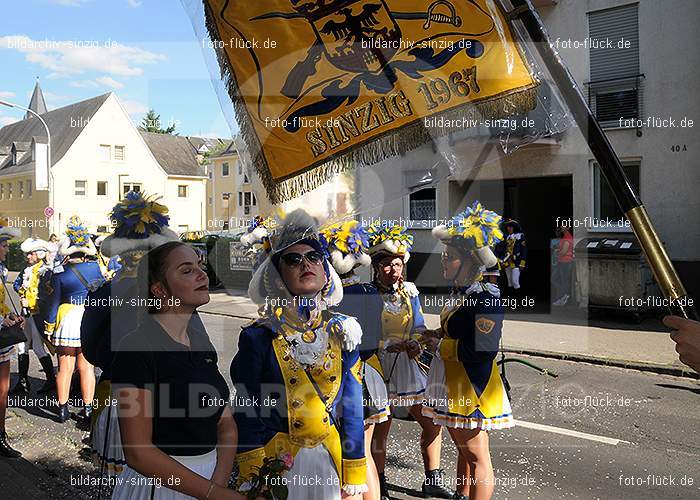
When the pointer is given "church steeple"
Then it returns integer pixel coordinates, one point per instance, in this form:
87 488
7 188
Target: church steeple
37 103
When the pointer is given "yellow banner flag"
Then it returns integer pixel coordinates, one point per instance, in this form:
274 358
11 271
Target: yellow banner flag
320 86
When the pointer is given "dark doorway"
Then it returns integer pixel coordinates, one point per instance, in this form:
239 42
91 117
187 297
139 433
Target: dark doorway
536 203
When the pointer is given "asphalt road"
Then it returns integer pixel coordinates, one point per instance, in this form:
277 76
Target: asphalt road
593 432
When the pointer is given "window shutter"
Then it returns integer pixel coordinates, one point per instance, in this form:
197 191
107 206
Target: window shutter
621 23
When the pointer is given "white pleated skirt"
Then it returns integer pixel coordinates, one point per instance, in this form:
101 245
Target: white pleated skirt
406 381
106 443
6 353
130 485
437 401
378 397
67 333
313 476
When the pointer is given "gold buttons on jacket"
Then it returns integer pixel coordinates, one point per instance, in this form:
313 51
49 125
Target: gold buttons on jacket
297 403
298 424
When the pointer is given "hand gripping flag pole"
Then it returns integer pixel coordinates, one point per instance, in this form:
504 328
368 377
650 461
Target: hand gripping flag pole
628 200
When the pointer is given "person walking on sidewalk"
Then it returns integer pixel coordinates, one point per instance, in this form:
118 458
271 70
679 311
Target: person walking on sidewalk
27 287
7 320
515 259
65 297
402 323
563 271
465 391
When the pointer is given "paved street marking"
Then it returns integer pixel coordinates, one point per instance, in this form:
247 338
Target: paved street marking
569 432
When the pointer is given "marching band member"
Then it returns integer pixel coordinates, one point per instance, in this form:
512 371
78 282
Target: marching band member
108 265
65 299
348 243
27 286
465 392
402 323
301 364
7 319
140 224
178 434
516 254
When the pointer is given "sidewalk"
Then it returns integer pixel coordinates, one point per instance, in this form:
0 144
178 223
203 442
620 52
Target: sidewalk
541 335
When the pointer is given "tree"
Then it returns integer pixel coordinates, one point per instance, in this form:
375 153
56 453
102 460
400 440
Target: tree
151 123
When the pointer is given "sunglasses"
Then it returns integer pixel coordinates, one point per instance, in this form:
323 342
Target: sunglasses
293 259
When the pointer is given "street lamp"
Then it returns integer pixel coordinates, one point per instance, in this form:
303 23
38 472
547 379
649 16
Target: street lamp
48 154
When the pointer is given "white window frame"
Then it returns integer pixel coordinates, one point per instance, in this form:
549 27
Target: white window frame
97 189
103 148
613 229
123 150
75 188
416 223
131 186
186 191
225 169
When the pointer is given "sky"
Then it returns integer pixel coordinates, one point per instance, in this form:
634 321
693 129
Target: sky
145 51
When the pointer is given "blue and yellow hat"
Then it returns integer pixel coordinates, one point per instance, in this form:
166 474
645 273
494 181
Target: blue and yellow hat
77 239
475 230
389 240
347 244
140 224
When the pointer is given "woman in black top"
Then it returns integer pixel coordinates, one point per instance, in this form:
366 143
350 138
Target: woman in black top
177 430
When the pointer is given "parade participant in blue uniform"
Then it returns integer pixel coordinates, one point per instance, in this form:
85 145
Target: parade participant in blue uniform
140 224
27 287
108 265
7 319
64 301
402 324
465 391
178 433
297 372
515 258
348 244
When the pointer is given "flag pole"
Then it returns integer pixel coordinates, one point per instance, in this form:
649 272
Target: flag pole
628 200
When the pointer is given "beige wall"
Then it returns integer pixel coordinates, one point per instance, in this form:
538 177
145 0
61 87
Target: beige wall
25 212
221 211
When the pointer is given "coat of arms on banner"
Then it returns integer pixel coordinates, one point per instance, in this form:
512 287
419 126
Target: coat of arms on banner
323 85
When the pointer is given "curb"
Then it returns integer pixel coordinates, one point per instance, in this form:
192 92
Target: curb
677 371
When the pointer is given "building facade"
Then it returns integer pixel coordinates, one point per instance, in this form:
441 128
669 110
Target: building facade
97 156
234 194
618 52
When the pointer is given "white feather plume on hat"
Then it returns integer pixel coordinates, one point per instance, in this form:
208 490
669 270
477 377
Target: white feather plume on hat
77 239
37 245
297 227
141 223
